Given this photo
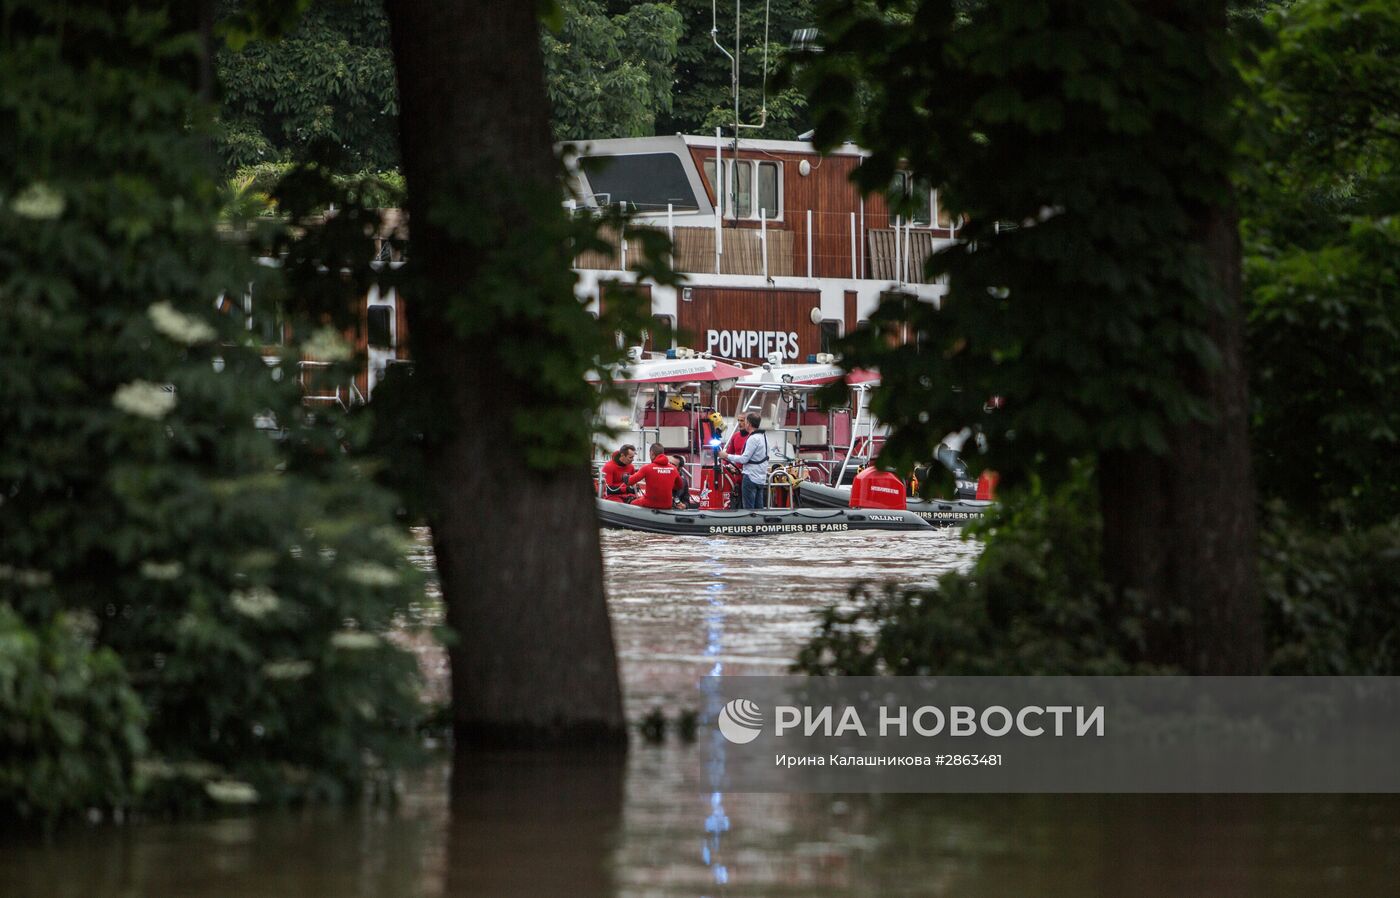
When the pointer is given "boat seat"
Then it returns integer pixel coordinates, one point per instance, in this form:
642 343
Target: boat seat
812 435
675 438
669 418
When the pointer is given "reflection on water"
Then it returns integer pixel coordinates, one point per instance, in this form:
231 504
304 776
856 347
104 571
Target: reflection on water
526 824
654 826
664 601
716 821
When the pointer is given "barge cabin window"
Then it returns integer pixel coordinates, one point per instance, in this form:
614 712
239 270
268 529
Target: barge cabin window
927 209
749 180
920 197
644 181
380 327
662 333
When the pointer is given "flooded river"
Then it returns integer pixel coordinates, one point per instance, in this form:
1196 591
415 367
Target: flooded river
581 826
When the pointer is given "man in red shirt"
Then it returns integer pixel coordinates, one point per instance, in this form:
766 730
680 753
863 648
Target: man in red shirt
616 472
660 475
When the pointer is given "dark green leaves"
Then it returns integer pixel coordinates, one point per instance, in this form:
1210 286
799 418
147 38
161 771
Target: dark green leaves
196 573
1082 145
1320 271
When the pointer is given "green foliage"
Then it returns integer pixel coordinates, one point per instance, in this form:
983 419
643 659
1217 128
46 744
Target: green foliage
380 188
160 478
1083 142
703 89
1322 239
1320 287
322 71
1033 603
70 724
1332 598
330 78
610 75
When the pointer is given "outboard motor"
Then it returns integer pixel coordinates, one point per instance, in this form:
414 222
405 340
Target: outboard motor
949 458
877 489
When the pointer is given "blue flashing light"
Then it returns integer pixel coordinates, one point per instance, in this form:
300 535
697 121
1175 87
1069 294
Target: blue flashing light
714 443
671 353
811 358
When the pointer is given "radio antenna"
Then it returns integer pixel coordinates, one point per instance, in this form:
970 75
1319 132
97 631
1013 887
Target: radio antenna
734 61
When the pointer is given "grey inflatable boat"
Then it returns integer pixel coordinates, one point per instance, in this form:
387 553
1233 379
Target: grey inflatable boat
938 512
764 522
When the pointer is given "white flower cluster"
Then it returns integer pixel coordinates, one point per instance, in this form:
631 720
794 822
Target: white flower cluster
354 640
287 669
231 792
144 399
327 345
256 603
158 570
178 326
38 202
368 573
25 577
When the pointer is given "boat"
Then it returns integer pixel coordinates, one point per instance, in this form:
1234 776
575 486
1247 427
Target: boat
832 444
760 522
937 512
667 399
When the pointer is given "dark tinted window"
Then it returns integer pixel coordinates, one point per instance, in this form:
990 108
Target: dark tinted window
661 335
380 330
830 331
768 189
648 181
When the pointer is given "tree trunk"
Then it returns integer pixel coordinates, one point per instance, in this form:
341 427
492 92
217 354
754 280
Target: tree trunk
517 548
1180 529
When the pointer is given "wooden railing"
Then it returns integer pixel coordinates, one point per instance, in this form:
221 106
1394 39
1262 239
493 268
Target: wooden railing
694 251
891 255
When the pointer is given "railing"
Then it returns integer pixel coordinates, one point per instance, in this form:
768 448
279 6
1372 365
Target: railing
810 244
345 395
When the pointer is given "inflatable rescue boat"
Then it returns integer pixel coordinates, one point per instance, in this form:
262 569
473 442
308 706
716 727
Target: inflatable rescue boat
761 522
938 512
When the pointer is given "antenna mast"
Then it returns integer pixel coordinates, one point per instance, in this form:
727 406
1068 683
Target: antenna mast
734 72
734 60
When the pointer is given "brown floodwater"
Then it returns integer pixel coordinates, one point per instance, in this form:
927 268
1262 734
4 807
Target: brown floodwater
650 824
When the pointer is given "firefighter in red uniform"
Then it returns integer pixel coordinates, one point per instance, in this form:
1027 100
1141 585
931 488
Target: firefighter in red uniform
659 475
616 472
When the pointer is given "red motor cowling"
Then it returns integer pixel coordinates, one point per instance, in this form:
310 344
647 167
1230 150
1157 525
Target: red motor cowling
711 494
877 489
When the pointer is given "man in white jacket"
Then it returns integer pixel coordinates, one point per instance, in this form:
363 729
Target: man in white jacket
754 460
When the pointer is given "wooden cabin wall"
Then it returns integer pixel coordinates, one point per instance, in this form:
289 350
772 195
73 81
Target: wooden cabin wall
831 196
750 310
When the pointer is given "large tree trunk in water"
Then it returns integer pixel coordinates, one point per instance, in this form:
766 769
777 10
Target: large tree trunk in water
517 549
1180 528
